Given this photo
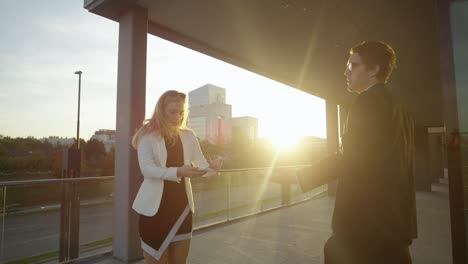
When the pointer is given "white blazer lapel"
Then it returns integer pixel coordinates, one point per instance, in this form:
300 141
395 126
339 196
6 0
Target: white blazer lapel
162 151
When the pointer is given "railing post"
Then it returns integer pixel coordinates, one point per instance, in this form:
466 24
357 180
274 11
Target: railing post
4 189
228 198
265 184
285 194
70 207
64 220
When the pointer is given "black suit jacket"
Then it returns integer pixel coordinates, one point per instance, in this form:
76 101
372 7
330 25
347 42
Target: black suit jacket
375 197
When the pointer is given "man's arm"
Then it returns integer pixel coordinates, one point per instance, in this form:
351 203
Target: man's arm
322 172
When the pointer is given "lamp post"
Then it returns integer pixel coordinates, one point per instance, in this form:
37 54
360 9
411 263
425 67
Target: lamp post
70 206
78 122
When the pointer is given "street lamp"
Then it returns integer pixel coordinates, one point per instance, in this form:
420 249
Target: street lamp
78 122
70 205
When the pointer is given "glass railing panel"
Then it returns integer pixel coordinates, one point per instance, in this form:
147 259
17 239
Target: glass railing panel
297 195
244 194
211 199
32 219
30 222
271 196
96 222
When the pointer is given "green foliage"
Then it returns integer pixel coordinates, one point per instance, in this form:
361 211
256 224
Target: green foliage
94 152
108 164
29 158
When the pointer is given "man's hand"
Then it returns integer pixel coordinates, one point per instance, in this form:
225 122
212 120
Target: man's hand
216 163
283 176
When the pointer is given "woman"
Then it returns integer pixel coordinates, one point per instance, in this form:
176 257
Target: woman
168 155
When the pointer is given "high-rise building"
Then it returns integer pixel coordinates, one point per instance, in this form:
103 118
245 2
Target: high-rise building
245 128
209 115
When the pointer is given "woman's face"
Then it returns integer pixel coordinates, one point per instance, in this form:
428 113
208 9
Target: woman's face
175 113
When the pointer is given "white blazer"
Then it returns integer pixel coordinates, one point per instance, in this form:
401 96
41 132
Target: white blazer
152 156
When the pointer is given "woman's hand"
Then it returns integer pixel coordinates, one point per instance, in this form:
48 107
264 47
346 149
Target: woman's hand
189 172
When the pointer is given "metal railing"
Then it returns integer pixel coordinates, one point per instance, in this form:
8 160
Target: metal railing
233 194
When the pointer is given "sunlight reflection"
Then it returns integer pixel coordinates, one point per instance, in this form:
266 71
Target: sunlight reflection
267 177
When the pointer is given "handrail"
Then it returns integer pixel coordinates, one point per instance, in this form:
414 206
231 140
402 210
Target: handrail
45 181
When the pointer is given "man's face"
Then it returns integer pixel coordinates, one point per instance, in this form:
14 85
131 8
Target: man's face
357 74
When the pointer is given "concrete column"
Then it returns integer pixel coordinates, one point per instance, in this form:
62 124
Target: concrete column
436 159
131 94
458 219
331 110
422 176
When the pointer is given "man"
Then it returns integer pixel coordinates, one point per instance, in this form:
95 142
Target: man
374 219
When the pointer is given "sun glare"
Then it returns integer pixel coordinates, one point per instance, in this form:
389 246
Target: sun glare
287 116
286 136
285 142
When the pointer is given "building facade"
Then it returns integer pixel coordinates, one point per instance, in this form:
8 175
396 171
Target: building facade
209 115
245 128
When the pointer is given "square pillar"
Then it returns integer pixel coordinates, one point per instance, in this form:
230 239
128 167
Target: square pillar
422 172
436 153
131 95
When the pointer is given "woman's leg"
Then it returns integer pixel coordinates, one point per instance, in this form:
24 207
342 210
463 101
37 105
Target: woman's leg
151 260
178 251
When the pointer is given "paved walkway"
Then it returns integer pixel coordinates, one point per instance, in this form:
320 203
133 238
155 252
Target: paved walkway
296 234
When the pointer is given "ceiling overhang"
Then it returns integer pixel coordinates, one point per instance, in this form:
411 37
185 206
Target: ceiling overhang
304 43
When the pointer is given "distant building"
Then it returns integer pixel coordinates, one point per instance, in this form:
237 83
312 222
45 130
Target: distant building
245 128
54 140
106 136
209 115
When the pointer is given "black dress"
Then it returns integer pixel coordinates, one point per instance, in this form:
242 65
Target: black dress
173 221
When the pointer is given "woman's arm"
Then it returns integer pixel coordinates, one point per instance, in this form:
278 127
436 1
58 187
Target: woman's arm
148 166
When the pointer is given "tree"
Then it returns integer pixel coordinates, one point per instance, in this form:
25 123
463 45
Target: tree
3 150
94 152
108 166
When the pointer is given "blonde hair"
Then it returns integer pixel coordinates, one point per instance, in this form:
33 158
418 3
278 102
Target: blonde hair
158 122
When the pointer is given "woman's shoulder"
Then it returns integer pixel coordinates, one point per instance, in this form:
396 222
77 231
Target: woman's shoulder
187 132
150 136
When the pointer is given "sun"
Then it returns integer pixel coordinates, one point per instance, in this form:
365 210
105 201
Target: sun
285 141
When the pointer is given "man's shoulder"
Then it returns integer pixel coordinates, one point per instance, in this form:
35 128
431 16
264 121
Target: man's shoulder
380 95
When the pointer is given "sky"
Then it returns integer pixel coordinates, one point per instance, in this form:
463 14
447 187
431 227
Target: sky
44 42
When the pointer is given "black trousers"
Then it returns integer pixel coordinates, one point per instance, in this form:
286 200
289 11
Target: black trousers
365 251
